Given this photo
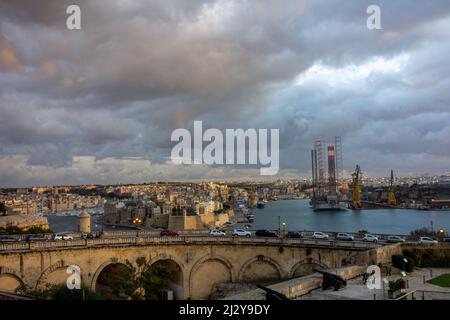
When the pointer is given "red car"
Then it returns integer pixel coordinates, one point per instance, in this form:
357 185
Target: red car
168 233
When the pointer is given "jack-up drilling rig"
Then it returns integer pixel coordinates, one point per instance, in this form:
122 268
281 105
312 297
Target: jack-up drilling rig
356 189
392 201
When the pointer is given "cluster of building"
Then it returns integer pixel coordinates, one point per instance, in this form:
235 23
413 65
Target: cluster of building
173 206
46 200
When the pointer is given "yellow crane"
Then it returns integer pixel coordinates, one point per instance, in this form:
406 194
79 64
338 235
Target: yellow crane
252 197
356 189
392 201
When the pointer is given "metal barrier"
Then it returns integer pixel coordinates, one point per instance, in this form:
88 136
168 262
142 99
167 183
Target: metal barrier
423 295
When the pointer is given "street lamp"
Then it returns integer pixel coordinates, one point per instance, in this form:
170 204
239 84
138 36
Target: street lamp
404 267
284 229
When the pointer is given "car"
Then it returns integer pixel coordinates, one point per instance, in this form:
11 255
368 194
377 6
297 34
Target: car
168 233
344 236
241 233
320 235
445 240
266 233
370 238
427 240
217 233
99 235
87 236
395 239
7 239
35 237
61 237
294 235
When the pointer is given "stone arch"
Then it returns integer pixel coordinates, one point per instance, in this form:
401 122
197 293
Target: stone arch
164 256
270 269
216 274
60 266
306 262
179 285
10 279
113 260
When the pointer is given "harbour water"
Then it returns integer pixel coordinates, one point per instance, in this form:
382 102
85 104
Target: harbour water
299 216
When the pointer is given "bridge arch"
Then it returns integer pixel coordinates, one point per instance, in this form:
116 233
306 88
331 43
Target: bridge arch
10 279
56 274
261 268
219 270
304 267
111 261
179 282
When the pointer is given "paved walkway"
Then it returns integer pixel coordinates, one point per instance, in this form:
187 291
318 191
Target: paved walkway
356 290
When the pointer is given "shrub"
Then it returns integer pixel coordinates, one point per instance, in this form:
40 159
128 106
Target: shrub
431 258
396 285
399 262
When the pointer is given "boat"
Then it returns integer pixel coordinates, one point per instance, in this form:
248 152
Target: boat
330 204
326 206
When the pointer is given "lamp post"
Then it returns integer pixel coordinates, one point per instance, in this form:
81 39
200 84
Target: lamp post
404 266
284 229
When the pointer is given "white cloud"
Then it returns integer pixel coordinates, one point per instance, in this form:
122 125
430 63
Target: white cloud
335 77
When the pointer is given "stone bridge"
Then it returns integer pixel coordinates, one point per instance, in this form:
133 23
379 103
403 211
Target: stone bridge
201 262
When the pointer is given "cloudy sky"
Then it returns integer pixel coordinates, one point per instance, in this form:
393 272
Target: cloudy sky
99 104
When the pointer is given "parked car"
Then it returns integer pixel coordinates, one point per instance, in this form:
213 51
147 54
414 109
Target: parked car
99 235
87 236
370 238
241 233
266 233
344 236
320 235
427 240
7 239
217 233
35 237
294 235
168 233
395 239
445 240
59 236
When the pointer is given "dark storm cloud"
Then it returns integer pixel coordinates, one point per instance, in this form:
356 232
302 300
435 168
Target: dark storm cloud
139 69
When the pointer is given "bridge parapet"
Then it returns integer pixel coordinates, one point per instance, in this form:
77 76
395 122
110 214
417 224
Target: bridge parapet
46 245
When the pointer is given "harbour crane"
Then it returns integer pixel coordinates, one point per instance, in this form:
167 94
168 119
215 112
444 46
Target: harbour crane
356 189
392 201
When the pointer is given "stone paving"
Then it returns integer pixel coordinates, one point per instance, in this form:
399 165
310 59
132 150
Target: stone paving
356 290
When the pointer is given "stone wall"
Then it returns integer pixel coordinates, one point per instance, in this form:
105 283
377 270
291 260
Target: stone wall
158 221
24 222
181 223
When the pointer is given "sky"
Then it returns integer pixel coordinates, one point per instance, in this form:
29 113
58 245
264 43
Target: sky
98 105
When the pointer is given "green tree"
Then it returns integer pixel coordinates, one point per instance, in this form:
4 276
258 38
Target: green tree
57 292
139 281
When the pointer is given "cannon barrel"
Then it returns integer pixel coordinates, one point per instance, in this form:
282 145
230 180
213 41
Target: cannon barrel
331 280
272 294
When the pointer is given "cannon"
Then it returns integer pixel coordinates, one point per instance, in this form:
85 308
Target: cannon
331 280
272 295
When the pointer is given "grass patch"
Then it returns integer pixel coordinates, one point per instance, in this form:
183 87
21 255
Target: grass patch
442 280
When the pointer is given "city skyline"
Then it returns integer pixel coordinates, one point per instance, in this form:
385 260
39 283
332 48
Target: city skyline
98 105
